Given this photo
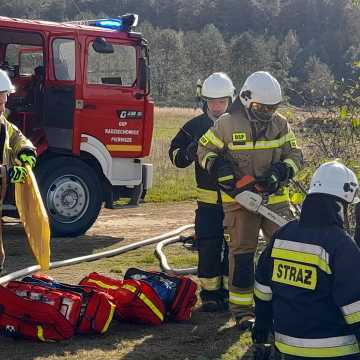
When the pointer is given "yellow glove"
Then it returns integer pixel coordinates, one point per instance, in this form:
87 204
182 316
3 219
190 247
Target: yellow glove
17 174
27 156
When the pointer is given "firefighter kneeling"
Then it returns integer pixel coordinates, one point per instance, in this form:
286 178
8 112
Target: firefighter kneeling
15 149
307 285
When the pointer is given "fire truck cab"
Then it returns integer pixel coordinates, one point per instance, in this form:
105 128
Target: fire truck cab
82 97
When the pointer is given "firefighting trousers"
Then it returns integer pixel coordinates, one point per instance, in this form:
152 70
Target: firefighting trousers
241 231
212 249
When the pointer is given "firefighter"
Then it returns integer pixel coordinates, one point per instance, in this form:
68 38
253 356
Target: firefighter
253 139
307 287
217 94
16 151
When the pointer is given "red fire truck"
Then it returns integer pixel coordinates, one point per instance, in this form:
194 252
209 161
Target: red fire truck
83 99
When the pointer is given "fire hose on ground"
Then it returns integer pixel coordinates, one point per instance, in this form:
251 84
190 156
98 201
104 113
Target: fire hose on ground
166 239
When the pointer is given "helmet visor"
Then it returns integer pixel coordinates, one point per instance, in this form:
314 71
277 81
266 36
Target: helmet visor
356 197
263 112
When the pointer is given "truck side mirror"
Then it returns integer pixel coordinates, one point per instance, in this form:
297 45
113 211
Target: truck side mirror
144 76
100 45
16 70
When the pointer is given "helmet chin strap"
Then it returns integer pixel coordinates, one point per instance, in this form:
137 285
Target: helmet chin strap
211 115
231 100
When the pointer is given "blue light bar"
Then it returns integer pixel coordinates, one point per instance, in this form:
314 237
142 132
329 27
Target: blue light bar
114 24
122 23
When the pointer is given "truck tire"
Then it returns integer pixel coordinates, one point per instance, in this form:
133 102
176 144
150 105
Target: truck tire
72 195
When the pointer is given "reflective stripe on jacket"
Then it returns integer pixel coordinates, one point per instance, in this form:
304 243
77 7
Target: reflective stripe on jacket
331 347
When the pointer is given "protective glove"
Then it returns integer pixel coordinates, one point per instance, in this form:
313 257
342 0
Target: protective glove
27 156
269 182
222 170
277 174
17 174
283 171
191 151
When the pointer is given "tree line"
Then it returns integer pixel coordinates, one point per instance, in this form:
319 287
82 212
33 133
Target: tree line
309 45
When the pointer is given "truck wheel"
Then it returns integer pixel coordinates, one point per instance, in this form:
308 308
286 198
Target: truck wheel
72 195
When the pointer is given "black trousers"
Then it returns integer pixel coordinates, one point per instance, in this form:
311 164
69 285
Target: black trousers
209 231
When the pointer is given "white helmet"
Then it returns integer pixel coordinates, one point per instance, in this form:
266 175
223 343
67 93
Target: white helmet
260 87
218 85
336 179
5 83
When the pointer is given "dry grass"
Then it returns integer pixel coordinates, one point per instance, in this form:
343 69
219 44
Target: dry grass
169 120
170 183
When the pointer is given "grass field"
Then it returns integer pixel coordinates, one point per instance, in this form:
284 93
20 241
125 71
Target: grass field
170 183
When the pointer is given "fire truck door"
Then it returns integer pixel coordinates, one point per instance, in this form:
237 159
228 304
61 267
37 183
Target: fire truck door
113 104
59 94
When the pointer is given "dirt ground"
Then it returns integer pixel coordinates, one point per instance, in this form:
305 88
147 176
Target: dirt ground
204 337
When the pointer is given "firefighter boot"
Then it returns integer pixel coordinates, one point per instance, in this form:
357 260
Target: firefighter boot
261 351
245 321
189 242
213 301
225 298
262 342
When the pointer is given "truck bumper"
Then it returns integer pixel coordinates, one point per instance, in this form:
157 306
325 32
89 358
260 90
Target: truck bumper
134 191
147 176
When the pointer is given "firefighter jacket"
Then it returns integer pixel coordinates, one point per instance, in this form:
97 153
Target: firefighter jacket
11 142
308 284
251 150
207 188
